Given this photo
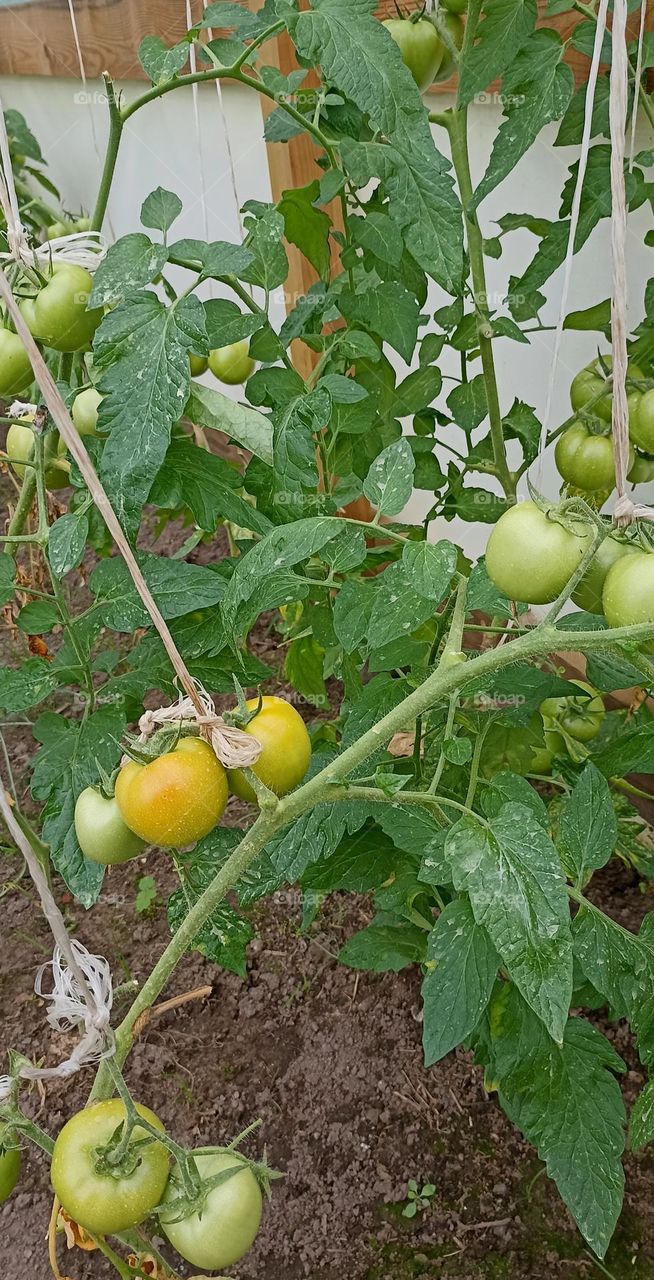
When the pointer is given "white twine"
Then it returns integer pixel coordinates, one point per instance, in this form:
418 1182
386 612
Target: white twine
20 409
623 512
234 748
639 72
228 144
574 224
193 59
80 248
82 993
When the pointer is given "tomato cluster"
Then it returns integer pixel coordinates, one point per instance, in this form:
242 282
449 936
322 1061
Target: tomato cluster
561 726
180 796
584 453
107 1191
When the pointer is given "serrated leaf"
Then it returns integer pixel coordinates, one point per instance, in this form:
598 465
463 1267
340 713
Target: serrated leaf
27 686
131 263
7 575
588 827
431 567
144 346
173 583
38 617
506 27
352 612
384 948
620 966
632 752
207 485
225 935
280 549
641 1121
511 871
217 412
461 965
389 310
227 324
362 861
67 543
389 482
269 266
294 447
160 209
398 608
306 226
537 90
215 260
161 64
468 404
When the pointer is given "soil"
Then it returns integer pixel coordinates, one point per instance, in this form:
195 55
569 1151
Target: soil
330 1061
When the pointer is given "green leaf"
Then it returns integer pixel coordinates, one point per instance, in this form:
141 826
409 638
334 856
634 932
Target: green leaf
280 549
307 227
7 575
160 209
515 693
269 267
161 64
632 752
213 261
362 861
431 567
29 685
226 324
207 485
384 948
303 668
21 138
130 264
510 787
536 90
461 966
417 391
398 608
67 542
388 310
389 482
142 346
483 596
225 936
357 56
572 124
468 404
511 871
641 1121
567 1102
38 617
376 699
620 966
173 583
217 412
377 234
294 446
506 27
588 827
352 612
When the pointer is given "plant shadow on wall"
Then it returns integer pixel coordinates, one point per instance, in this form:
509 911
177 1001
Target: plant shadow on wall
462 780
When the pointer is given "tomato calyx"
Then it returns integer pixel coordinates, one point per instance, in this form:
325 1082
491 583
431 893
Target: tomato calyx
120 1157
160 743
241 715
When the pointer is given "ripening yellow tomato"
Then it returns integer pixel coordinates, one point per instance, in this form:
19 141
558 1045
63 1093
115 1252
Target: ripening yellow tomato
177 798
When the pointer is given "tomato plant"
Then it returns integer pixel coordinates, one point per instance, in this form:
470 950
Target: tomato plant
281 572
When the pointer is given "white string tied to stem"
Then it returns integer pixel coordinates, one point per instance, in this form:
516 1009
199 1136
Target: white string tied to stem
639 72
235 749
81 248
82 994
575 213
21 409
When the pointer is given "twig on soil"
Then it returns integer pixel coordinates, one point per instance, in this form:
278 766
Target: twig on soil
482 1226
200 993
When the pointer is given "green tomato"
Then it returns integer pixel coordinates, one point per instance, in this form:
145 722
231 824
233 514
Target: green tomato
232 364
518 748
15 368
20 448
10 1160
589 383
456 30
530 556
585 460
642 469
588 593
581 718
628 594
420 46
199 365
455 6
102 835
57 229
58 314
227 1225
82 224
641 423
101 1200
85 411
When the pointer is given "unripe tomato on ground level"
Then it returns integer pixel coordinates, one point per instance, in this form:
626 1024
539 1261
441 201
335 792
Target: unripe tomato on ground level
230 1218
100 1202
